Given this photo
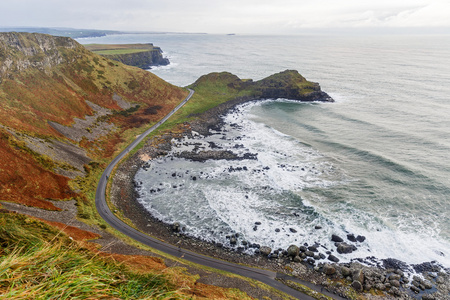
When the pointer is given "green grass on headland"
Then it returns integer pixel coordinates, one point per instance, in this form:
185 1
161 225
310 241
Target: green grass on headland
119 51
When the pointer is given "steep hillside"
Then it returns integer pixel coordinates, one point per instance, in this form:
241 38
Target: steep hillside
62 107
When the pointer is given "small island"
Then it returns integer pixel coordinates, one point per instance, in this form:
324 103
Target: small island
143 56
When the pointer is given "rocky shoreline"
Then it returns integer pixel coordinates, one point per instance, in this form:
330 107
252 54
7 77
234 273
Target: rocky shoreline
385 279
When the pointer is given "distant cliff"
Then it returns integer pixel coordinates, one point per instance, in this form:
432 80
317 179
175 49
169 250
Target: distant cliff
143 56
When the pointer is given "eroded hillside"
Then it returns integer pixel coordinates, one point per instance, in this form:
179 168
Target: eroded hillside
62 107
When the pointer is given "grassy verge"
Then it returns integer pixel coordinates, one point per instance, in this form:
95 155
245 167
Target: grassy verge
305 290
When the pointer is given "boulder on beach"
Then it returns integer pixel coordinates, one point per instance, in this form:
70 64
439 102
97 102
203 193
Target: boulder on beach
357 286
176 227
329 269
265 250
293 251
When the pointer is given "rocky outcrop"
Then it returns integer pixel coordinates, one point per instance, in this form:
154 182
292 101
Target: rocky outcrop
143 56
288 84
21 51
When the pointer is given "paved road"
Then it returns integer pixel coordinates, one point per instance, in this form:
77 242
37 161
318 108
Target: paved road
267 277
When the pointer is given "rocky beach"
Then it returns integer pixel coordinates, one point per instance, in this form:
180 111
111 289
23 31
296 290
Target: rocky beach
388 278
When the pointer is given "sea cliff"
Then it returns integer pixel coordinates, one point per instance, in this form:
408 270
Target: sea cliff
143 56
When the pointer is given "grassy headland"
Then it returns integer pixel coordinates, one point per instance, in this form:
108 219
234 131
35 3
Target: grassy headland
139 55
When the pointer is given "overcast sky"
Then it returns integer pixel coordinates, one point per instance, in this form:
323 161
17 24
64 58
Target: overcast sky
228 16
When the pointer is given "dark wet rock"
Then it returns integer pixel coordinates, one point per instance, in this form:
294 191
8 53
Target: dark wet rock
336 239
293 251
245 243
213 145
292 230
317 227
333 258
310 261
297 259
303 248
344 248
313 248
415 289
329 269
351 238
257 223
255 228
392 263
202 156
357 286
426 267
309 253
322 256
233 240
360 238
265 250
273 255
277 229
176 227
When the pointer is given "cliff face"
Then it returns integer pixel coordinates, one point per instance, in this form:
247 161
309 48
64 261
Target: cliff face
19 52
144 60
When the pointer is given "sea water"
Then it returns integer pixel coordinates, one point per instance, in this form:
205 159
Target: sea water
375 163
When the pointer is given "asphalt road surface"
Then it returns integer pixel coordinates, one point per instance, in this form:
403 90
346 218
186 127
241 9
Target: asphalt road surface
267 277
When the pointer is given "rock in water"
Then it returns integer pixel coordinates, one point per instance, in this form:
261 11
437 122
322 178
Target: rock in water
360 238
351 238
333 258
336 239
344 248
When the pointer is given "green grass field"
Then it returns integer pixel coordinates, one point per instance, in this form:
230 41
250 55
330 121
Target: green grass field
119 51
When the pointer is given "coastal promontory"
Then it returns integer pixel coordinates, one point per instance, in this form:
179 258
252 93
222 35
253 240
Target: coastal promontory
143 56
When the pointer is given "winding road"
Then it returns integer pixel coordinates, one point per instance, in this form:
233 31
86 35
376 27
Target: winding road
267 277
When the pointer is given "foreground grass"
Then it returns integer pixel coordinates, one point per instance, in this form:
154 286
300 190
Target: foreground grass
37 262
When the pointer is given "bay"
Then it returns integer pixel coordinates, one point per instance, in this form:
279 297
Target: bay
380 151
